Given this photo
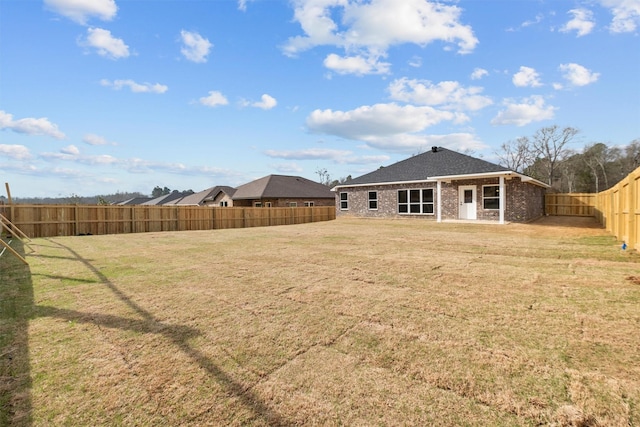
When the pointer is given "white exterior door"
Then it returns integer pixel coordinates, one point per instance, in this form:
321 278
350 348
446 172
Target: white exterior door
467 200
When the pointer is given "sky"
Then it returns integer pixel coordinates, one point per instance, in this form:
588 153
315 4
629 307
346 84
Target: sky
105 96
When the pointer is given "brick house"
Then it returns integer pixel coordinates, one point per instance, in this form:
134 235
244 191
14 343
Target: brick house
283 191
443 185
220 195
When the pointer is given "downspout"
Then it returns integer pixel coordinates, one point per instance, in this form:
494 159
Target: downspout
502 199
439 200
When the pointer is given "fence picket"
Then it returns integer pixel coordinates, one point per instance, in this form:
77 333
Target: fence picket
69 220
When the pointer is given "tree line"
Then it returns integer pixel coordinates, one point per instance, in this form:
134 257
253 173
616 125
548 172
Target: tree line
104 199
547 157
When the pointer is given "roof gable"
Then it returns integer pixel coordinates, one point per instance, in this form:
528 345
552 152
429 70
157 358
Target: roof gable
438 162
205 195
282 186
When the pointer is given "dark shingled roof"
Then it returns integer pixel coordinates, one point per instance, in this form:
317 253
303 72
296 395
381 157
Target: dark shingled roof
163 200
433 163
283 186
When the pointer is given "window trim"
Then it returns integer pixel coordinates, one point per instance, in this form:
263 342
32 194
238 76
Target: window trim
344 201
371 200
308 204
496 197
421 203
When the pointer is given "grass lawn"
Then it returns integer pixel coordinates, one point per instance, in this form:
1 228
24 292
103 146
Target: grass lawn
347 322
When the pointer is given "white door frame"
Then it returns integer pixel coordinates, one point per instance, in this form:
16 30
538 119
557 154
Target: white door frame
467 210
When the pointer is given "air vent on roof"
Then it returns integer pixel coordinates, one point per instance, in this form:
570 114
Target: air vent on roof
434 149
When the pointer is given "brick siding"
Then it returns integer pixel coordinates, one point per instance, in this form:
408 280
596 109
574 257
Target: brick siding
524 201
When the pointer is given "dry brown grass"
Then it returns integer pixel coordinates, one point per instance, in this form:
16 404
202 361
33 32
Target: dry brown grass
349 322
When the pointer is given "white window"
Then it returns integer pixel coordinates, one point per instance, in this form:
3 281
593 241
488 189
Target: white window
491 197
418 201
308 204
293 204
257 204
373 200
344 201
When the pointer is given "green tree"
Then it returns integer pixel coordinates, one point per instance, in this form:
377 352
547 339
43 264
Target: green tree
159 191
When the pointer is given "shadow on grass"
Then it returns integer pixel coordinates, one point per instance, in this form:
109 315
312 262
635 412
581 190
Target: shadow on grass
16 307
179 335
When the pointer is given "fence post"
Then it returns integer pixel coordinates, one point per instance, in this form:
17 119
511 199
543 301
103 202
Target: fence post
633 212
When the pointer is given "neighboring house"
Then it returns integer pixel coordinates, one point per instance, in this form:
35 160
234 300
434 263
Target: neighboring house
220 195
283 191
165 199
134 201
443 185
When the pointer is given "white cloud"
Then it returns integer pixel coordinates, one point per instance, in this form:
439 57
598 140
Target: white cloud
535 21
368 122
30 126
337 156
578 75
448 94
214 99
626 15
81 10
382 125
195 48
135 87
242 4
420 143
479 73
357 65
582 22
415 62
105 44
71 150
71 153
17 152
266 102
368 29
532 109
309 154
527 76
287 168
93 139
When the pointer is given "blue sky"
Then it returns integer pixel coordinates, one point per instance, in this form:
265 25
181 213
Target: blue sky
101 96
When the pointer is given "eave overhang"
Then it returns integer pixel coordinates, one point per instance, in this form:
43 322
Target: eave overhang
449 178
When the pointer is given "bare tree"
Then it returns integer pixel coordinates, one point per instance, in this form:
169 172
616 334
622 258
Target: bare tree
569 169
550 143
324 176
599 159
516 155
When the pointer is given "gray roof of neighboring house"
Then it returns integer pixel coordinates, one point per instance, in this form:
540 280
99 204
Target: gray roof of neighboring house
134 201
283 186
437 162
164 199
205 195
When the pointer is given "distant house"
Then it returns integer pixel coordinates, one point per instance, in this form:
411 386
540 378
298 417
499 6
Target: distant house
164 199
283 191
134 201
220 195
443 185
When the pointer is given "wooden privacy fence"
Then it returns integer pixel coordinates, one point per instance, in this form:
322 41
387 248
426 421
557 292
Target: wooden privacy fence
73 220
618 210
572 204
